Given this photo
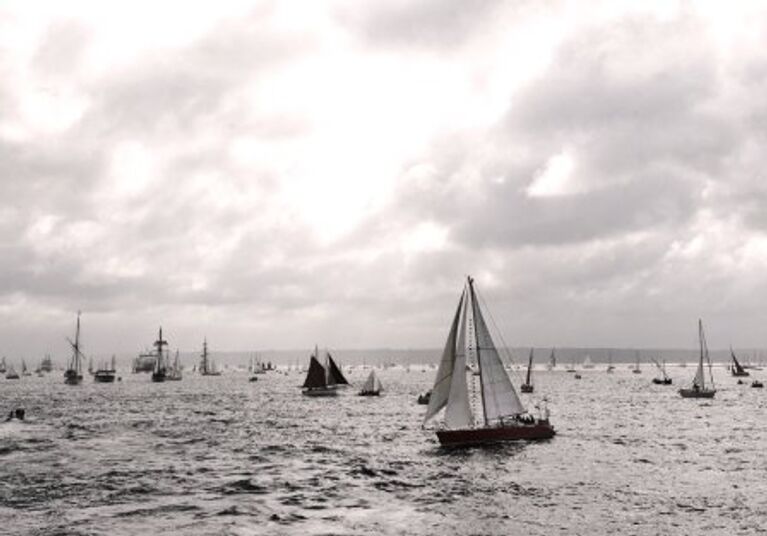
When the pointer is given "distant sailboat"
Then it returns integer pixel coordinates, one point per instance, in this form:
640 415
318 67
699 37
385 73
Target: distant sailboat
552 360
207 366
737 369
174 374
636 369
74 373
323 380
160 371
699 388
527 387
587 363
24 370
3 366
106 374
503 417
11 374
664 378
372 386
610 366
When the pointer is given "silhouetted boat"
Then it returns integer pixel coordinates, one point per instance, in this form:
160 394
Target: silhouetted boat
74 373
757 384
503 417
207 366
323 380
24 369
736 369
372 386
106 374
423 398
11 374
610 366
699 388
160 372
664 378
527 387
636 369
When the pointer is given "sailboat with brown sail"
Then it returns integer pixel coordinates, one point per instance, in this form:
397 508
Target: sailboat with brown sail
699 388
502 416
527 387
737 369
74 373
323 380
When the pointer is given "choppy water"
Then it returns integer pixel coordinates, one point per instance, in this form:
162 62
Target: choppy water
220 455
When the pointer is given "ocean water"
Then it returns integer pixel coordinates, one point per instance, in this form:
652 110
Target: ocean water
221 455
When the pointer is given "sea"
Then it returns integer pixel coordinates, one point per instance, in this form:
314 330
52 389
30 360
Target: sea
226 456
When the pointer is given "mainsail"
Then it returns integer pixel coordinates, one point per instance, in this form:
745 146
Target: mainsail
739 370
372 384
316 375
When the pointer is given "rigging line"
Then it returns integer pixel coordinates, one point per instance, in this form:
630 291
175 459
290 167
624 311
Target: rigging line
509 356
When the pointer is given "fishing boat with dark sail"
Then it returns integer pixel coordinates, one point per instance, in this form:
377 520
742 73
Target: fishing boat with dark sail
699 388
11 374
372 386
737 369
160 372
74 373
502 416
527 387
106 373
323 380
664 378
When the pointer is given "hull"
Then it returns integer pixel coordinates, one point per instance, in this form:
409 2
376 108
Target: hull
479 436
526 388
72 378
320 391
369 393
103 378
742 373
659 381
158 377
697 393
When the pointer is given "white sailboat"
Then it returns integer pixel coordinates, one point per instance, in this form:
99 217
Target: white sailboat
372 386
699 388
502 416
587 363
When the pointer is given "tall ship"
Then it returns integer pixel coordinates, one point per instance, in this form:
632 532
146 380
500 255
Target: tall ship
496 413
323 379
207 366
160 369
74 373
144 362
46 365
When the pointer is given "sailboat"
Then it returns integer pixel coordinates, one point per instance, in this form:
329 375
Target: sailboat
503 417
552 360
323 380
587 363
160 371
174 374
11 374
610 366
664 379
207 367
3 366
24 369
372 386
737 369
636 369
106 373
527 387
699 388
74 373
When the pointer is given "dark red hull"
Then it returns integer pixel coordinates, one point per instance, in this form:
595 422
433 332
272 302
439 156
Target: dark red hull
478 436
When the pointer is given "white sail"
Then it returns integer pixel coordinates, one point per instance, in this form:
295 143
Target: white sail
372 384
499 397
458 413
441 389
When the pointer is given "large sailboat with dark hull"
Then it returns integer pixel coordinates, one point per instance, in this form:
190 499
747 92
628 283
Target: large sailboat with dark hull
74 373
160 372
323 379
501 416
699 389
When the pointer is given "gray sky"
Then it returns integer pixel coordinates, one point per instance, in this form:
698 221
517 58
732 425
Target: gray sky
275 174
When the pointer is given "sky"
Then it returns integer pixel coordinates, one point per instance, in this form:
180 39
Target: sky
271 175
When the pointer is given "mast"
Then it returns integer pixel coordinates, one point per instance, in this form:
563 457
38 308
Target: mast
474 315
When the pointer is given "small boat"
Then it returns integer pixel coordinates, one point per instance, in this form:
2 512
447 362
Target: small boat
74 373
207 366
737 369
323 380
503 416
3 366
527 387
160 372
664 379
699 388
24 370
552 360
105 374
610 366
423 398
174 373
372 386
577 376
757 384
11 374
636 369
587 363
